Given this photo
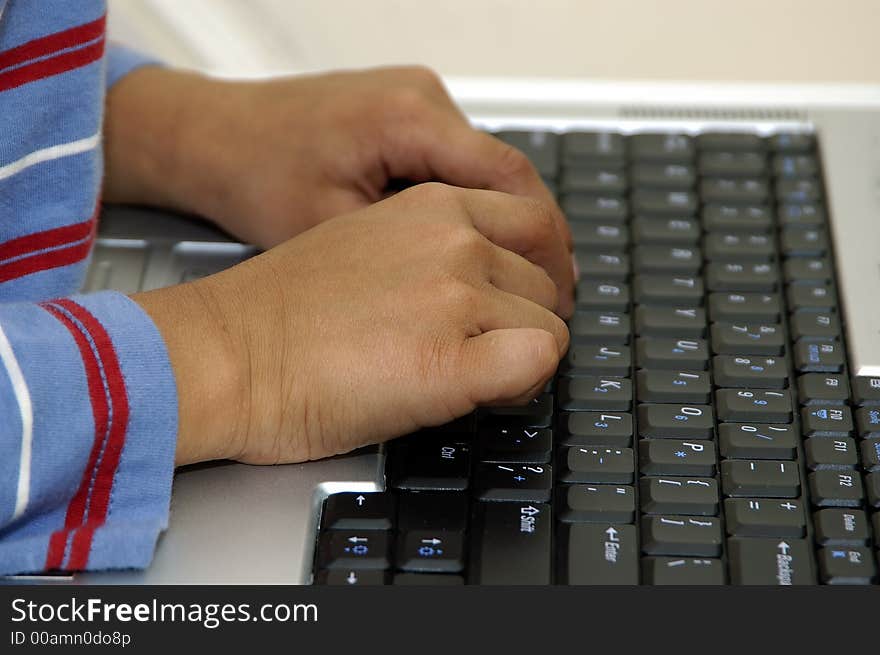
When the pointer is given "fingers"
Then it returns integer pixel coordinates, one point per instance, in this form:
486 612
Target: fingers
516 275
500 310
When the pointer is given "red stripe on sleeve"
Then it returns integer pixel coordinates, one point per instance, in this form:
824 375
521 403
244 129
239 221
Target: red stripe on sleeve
53 66
46 239
46 45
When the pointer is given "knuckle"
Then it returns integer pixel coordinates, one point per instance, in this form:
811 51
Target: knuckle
543 219
455 294
513 163
423 76
406 104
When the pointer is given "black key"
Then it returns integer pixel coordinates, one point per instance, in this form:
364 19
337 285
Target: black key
461 428
515 483
676 457
427 580
744 307
734 190
687 322
358 511
747 338
764 517
757 441
598 208
801 215
681 535
732 164
836 489
811 357
731 141
668 290
351 578
602 295
596 503
682 572
512 544
872 484
594 393
838 454
515 444
663 176
753 405
754 372
659 386
595 429
737 218
430 551
841 527
842 565
803 242
792 166
537 413
671 495
826 421
662 147
603 266
760 478
871 455
667 260
542 149
600 327
429 510
599 180
676 421
868 421
589 236
666 231
599 554
596 465
592 147
811 325
354 549
805 191
866 391
792 142
732 247
677 354
739 276
651 202
798 270
432 465
815 296
770 561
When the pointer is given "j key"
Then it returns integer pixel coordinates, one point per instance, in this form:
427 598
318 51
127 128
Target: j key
542 149
800 242
687 496
826 421
841 565
734 190
599 208
594 393
866 391
603 266
514 482
681 535
515 444
737 218
836 489
687 322
753 405
592 147
792 142
673 231
750 371
721 246
511 544
838 454
764 517
732 164
744 307
599 554
741 276
823 389
841 527
682 572
676 422
810 357
596 503
667 260
814 326
427 580
602 295
668 290
868 421
747 339
597 464
792 166
757 441
806 191
664 203
598 237
677 354
770 561
598 180
537 413
595 429
807 269
761 478
428 551
353 549
663 176
801 215
600 327
357 511
662 147
659 386
611 360
432 465
432 510
871 455
676 457
817 296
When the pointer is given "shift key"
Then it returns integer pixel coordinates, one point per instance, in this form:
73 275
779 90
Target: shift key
512 544
599 554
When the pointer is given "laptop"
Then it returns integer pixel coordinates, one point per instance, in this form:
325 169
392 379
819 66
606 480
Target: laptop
716 420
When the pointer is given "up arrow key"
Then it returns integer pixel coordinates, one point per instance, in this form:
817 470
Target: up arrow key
612 534
783 547
352 578
360 500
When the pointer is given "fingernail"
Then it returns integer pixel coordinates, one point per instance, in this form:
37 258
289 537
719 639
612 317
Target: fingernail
575 268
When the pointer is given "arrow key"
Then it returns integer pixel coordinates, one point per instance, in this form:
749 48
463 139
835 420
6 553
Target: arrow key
424 551
353 578
358 511
351 550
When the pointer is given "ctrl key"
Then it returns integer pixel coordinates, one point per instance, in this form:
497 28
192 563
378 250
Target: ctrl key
348 549
778 562
599 554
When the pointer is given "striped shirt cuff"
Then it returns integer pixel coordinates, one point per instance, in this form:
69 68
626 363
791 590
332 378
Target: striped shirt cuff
122 60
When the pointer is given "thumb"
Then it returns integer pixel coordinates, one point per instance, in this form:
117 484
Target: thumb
507 365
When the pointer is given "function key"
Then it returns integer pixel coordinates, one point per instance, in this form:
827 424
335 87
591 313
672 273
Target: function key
730 141
791 166
837 454
542 149
801 215
737 218
803 242
733 164
794 191
822 357
836 489
804 269
811 325
579 148
826 421
823 389
795 142
818 296
662 147
663 176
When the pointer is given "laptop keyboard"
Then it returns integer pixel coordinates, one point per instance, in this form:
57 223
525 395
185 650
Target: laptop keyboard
703 427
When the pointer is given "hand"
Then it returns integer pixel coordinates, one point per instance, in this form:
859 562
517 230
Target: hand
406 314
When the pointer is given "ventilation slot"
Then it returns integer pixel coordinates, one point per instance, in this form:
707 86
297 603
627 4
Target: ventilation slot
714 113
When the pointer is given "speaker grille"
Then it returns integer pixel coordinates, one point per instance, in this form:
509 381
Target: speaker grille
713 113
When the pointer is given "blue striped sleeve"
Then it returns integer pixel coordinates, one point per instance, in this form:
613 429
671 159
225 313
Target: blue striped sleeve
88 434
122 60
